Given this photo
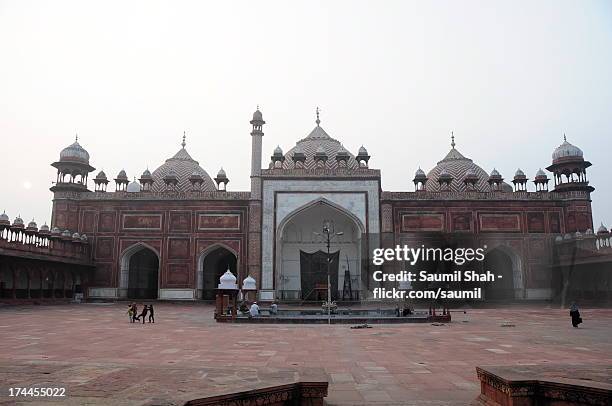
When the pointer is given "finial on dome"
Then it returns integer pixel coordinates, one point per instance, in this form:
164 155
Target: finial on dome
184 136
318 121
453 139
564 137
76 137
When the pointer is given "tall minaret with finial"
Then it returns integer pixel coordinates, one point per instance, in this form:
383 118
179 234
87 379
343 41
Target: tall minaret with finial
256 150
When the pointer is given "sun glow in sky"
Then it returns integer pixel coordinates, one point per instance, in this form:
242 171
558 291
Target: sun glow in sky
508 77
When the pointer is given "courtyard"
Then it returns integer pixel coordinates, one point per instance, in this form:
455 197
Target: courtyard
100 358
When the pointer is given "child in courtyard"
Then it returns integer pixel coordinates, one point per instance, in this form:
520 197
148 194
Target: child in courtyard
130 312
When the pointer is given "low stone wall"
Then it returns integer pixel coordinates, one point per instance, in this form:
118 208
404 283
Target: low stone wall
294 394
534 385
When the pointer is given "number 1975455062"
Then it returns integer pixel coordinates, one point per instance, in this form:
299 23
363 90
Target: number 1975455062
36 392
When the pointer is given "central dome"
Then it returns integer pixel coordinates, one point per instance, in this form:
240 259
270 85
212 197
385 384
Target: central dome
182 165
458 166
319 140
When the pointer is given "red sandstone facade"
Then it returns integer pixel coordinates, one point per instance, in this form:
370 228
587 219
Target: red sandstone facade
173 233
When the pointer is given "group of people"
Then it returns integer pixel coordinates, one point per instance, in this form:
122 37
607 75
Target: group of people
146 310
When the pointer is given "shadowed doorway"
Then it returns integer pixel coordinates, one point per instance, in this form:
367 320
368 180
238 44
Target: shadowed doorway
214 265
143 275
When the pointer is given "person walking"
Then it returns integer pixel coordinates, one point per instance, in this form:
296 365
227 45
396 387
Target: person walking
575 314
151 314
143 315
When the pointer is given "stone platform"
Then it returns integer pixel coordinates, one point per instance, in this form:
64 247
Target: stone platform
545 385
102 359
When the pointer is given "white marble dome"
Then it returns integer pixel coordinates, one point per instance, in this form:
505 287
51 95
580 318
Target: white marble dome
249 283
133 187
566 150
227 281
74 153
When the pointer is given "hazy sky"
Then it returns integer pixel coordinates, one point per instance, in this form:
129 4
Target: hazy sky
509 77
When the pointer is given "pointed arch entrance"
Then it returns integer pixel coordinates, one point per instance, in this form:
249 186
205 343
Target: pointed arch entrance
301 253
140 272
503 261
212 263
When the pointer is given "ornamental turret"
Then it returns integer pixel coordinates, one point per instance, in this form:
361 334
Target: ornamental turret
420 179
222 180
146 180
520 181
100 182
121 181
277 157
72 169
569 168
362 157
342 157
495 180
541 181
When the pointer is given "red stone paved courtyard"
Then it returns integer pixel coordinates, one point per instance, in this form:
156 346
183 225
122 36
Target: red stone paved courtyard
100 358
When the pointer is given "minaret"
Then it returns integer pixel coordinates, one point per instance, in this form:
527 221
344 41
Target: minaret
256 150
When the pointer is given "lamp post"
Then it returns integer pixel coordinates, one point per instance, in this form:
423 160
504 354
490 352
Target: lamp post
328 231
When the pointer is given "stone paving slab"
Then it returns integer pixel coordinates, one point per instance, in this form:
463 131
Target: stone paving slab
97 354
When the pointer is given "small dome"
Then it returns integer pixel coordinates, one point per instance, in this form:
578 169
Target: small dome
420 174
540 174
44 228
567 236
83 237
578 235
55 231
101 176
133 187
588 231
221 174
227 281
506 187
32 224
602 229
76 236
4 216
494 173
74 153
171 175
362 151
278 150
249 283
18 222
342 152
122 175
519 173
444 174
257 116
66 233
558 238
566 150
146 174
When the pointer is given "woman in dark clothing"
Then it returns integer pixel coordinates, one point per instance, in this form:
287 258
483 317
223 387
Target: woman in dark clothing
151 314
575 313
142 315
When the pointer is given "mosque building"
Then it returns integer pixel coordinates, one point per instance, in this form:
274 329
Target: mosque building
171 233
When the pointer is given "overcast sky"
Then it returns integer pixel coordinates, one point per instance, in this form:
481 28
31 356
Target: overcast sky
508 77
